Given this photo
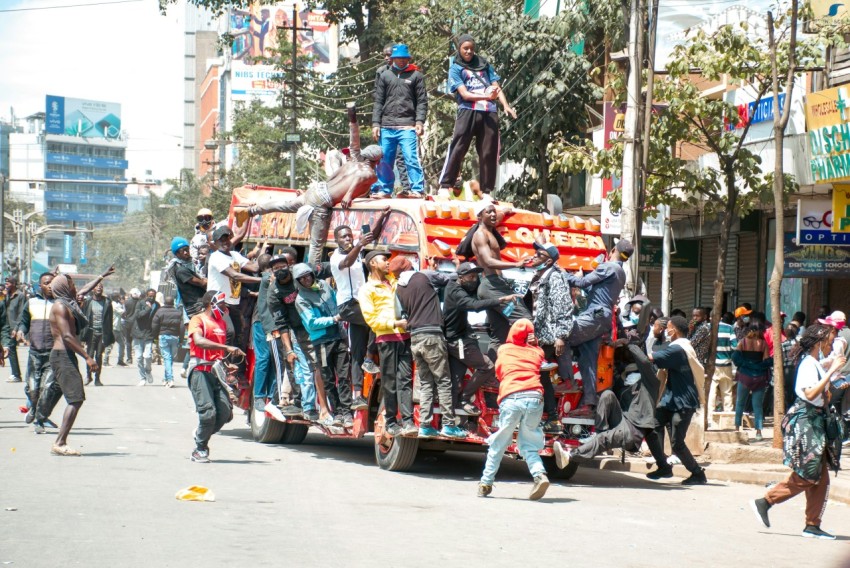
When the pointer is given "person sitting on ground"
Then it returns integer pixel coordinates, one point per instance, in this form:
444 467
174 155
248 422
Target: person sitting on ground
420 306
208 344
352 181
615 427
520 407
317 307
603 287
462 343
683 394
808 450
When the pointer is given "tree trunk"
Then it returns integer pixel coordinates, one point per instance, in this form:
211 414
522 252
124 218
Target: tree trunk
720 280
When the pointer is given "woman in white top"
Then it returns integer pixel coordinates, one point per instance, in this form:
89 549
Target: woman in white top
808 450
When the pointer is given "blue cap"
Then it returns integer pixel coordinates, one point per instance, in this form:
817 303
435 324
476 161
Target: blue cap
400 50
178 243
549 249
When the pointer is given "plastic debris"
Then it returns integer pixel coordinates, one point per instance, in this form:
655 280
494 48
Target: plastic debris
195 493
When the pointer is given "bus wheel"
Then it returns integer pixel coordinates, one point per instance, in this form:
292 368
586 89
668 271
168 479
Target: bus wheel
295 434
265 429
554 472
393 454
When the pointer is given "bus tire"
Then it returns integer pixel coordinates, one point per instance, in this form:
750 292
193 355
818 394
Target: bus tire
554 472
393 454
266 430
295 434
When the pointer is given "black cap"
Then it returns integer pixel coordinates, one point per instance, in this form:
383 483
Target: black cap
278 258
221 231
372 254
468 268
12 280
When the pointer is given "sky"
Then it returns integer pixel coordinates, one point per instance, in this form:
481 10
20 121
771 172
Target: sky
124 52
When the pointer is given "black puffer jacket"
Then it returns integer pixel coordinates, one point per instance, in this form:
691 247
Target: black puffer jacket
167 320
400 98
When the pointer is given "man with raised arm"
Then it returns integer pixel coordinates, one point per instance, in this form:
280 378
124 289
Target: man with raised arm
353 180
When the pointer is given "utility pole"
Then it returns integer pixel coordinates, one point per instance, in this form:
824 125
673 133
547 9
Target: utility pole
293 138
629 189
2 214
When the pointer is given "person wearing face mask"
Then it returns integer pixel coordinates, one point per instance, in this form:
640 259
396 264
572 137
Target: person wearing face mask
464 352
742 320
317 307
208 344
347 269
657 336
281 297
205 222
553 323
808 449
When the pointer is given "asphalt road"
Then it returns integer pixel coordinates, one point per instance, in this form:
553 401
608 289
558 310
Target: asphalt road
325 503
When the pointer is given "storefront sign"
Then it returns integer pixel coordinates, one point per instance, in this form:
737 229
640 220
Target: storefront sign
817 261
828 9
827 116
756 112
684 259
841 209
815 224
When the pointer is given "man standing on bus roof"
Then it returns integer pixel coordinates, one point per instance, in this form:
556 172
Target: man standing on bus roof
353 180
603 287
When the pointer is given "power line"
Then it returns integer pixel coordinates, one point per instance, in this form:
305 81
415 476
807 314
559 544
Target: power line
104 3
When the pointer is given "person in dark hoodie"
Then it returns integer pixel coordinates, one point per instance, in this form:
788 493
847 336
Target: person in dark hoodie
317 307
167 329
398 119
617 427
476 84
420 307
403 180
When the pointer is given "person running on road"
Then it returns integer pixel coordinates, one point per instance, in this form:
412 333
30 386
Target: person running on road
353 180
520 407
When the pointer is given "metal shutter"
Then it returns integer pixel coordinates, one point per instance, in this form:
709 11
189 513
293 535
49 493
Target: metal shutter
684 291
748 271
731 283
653 287
708 271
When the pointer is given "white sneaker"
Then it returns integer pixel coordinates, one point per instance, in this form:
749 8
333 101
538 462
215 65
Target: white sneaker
142 383
562 455
183 374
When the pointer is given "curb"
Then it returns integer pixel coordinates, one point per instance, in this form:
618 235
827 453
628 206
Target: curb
839 492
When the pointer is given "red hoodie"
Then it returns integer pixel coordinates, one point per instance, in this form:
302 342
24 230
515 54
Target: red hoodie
518 363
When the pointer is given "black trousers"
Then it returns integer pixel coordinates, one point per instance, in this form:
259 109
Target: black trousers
678 422
334 363
14 364
464 353
484 127
612 430
94 349
397 380
358 341
44 393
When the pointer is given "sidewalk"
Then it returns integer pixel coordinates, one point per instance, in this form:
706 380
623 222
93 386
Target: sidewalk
756 463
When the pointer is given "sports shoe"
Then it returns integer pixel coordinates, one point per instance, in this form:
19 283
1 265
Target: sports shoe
393 430
312 415
30 415
409 430
291 411
471 409
696 478
760 507
553 427
370 367
337 420
200 456
169 385
182 373
347 420
453 432
97 383
812 531
13 379
141 383
541 484
428 432
562 455
274 411
484 490
548 366
38 428
661 472
359 403
49 423
122 364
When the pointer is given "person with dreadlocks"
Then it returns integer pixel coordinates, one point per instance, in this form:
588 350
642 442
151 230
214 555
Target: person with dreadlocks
476 86
809 448
66 322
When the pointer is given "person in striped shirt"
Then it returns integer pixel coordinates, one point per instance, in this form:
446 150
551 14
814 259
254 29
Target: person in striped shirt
722 379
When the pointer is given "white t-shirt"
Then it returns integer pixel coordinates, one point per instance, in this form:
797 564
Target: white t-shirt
348 280
218 281
809 374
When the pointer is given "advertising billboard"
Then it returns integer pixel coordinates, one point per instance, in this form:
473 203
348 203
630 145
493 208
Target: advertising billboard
249 82
815 223
255 32
82 117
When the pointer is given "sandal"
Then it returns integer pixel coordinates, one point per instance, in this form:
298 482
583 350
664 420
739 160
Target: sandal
64 451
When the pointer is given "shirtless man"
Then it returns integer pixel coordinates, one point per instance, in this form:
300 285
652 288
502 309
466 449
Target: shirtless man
487 245
353 180
66 320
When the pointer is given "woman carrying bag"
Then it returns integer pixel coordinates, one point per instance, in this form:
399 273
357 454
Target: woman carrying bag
811 436
753 361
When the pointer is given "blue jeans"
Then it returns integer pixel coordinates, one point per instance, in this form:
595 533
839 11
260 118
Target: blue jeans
168 347
304 377
526 412
391 140
263 379
741 403
142 351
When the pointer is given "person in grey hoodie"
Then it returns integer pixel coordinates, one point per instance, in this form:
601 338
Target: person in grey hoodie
317 307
